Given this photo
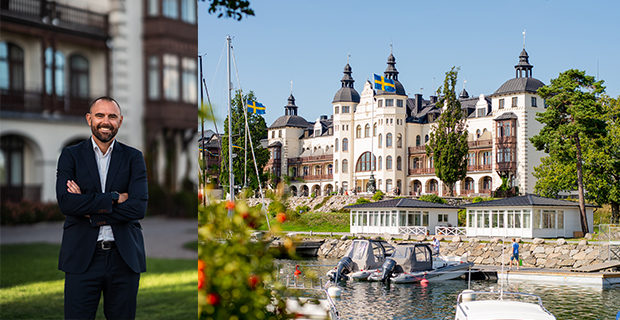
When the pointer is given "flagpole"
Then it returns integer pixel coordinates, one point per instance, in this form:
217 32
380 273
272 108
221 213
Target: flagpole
231 180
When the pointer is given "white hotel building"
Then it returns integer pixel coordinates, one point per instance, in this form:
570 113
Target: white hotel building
334 153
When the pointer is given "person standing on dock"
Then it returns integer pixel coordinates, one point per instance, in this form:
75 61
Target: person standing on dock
515 253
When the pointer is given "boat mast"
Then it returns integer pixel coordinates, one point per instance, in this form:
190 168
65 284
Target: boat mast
231 181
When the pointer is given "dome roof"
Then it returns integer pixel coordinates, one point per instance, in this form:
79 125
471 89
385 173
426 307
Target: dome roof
290 121
519 85
392 74
347 93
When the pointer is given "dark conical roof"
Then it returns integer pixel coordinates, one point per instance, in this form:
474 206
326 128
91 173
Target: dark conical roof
464 94
290 108
392 74
347 93
523 81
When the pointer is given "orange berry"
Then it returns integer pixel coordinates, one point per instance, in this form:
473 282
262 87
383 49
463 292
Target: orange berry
281 217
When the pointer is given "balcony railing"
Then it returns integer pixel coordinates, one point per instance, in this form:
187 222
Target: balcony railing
421 171
17 194
417 149
480 143
506 140
315 177
506 166
59 15
37 102
300 160
480 167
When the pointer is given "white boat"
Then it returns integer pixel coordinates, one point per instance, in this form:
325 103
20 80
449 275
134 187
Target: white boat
414 262
363 258
489 305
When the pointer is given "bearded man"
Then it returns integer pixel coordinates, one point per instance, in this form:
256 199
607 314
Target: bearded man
101 188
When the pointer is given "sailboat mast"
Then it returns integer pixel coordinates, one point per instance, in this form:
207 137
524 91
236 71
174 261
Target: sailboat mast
231 180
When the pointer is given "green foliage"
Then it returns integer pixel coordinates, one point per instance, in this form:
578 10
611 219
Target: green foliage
275 207
231 8
26 212
239 277
462 217
478 199
362 201
258 131
317 222
378 196
302 209
432 198
448 139
571 121
553 177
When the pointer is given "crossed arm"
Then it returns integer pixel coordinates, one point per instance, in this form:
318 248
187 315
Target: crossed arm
72 187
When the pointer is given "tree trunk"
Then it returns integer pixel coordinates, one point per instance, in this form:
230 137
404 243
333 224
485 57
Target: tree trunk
582 201
615 212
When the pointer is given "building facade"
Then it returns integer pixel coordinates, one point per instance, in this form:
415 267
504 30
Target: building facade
382 136
57 56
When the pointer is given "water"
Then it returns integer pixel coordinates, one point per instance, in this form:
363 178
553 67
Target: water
373 300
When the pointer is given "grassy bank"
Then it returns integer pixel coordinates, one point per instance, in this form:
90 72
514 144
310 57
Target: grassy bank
32 286
315 221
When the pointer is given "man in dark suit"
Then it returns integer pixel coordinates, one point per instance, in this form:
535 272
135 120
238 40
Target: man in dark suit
101 188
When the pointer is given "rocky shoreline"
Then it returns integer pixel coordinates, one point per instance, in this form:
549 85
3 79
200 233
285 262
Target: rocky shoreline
555 255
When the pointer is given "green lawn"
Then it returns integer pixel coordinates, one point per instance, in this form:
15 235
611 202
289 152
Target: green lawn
31 286
316 221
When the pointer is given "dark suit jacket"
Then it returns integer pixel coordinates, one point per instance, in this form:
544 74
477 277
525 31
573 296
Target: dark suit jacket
126 174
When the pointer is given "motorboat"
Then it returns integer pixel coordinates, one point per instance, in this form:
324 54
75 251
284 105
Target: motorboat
363 257
499 305
414 262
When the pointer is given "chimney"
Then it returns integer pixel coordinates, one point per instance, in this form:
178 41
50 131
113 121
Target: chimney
433 99
418 102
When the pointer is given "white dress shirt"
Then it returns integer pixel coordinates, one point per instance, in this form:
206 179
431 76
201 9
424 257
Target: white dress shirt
103 163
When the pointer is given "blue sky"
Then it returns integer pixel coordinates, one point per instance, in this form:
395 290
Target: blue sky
307 42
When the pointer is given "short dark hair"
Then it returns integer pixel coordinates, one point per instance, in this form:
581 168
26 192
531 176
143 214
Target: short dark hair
108 99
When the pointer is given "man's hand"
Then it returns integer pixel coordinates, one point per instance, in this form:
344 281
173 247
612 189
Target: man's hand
122 197
72 187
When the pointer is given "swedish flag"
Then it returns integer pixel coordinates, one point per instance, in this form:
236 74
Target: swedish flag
255 107
381 83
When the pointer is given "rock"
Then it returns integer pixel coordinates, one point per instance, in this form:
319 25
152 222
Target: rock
579 256
421 237
566 263
583 242
456 239
551 263
560 242
538 241
344 238
588 236
495 240
388 236
573 252
474 240
539 250
549 250
375 238
406 237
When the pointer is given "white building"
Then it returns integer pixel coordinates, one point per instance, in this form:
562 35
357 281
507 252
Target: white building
383 135
57 56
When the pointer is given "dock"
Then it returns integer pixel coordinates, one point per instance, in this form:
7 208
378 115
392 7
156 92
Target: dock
594 278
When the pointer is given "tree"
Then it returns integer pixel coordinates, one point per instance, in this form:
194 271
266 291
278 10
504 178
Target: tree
258 131
448 138
602 161
554 177
232 8
572 115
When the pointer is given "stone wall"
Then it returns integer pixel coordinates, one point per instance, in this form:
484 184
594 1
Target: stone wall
334 202
560 254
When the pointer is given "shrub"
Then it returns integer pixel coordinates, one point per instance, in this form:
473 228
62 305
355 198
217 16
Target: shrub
432 198
362 200
275 207
378 195
319 205
302 209
26 212
477 199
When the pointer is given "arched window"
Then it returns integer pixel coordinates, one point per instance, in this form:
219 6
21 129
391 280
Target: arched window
294 172
336 166
54 72
399 141
12 157
388 185
388 140
380 160
345 167
417 140
358 131
432 185
431 162
399 163
478 133
11 67
336 145
416 163
379 141
486 157
78 71
374 130
367 131
306 171
364 162
345 144
426 138
345 186
318 170
388 163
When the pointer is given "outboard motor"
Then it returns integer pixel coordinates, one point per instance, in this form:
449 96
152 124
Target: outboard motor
386 269
345 266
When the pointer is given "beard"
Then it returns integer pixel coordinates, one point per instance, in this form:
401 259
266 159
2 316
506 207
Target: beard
104 137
